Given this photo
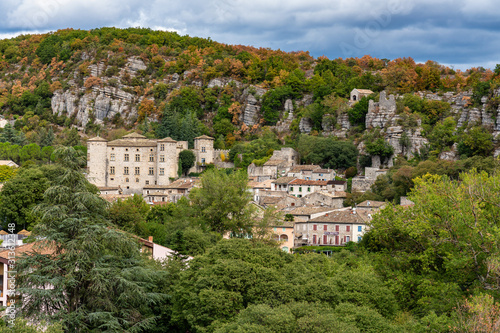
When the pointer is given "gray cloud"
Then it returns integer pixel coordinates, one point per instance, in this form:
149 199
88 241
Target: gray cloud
464 33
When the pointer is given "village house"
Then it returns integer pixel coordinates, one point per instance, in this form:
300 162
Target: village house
284 234
169 193
325 199
277 166
281 184
304 171
303 214
323 174
256 188
371 206
333 228
301 187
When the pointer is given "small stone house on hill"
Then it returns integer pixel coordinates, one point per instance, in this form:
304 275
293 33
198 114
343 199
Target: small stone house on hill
358 94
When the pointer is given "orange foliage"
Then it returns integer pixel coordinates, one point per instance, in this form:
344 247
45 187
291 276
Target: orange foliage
92 81
55 86
235 110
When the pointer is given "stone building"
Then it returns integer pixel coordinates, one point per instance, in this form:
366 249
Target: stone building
277 166
357 94
134 161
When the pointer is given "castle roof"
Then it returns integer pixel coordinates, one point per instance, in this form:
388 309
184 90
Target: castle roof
167 139
205 137
97 139
134 135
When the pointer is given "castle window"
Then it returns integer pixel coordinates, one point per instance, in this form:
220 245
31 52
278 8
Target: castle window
126 180
125 158
162 158
162 147
137 157
126 149
137 180
137 149
112 178
202 149
137 171
147 183
151 157
151 171
125 171
162 171
112 170
112 157
202 161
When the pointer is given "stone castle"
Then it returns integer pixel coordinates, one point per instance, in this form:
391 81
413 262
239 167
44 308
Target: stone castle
134 161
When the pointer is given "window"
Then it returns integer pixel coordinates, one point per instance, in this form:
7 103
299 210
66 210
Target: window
299 196
325 227
112 157
314 239
137 180
203 161
125 171
162 171
347 239
112 179
151 171
112 170
336 240
125 157
137 171
137 157
147 183
360 228
126 180
308 189
347 228
337 228
202 149
162 147
162 158
359 238
315 227
300 189
291 188
284 229
325 239
275 229
151 158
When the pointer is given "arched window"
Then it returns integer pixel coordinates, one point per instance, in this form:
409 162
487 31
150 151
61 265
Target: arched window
284 238
285 248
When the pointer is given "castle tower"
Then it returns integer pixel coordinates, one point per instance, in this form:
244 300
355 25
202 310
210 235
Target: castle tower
97 161
204 150
167 160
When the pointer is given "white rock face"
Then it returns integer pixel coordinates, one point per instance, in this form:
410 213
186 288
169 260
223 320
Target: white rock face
101 103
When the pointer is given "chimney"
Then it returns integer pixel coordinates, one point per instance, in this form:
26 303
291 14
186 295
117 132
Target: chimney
150 239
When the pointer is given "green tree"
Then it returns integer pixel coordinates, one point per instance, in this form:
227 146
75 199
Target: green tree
100 281
357 114
223 201
187 159
477 141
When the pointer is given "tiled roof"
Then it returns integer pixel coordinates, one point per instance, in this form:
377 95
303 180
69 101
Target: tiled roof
134 135
309 210
206 137
309 182
322 171
365 91
271 200
38 246
283 180
337 182
97 139
305 167
371 203
343 216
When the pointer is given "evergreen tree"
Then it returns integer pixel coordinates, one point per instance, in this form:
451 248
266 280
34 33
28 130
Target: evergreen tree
98 279
169 125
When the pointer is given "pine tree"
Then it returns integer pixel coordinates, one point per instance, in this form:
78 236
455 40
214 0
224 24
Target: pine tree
97 277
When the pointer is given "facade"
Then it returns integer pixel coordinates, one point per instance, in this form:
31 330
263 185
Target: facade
303 171
333 228
135 161
301 187
323 174
284 235
277 166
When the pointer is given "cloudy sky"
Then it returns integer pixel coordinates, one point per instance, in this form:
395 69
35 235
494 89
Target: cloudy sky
460 33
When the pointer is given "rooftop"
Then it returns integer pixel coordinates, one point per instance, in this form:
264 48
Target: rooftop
371 204
344 216
305 167
283 180
309 210
309 182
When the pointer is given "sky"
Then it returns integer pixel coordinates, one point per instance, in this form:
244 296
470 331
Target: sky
459 33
